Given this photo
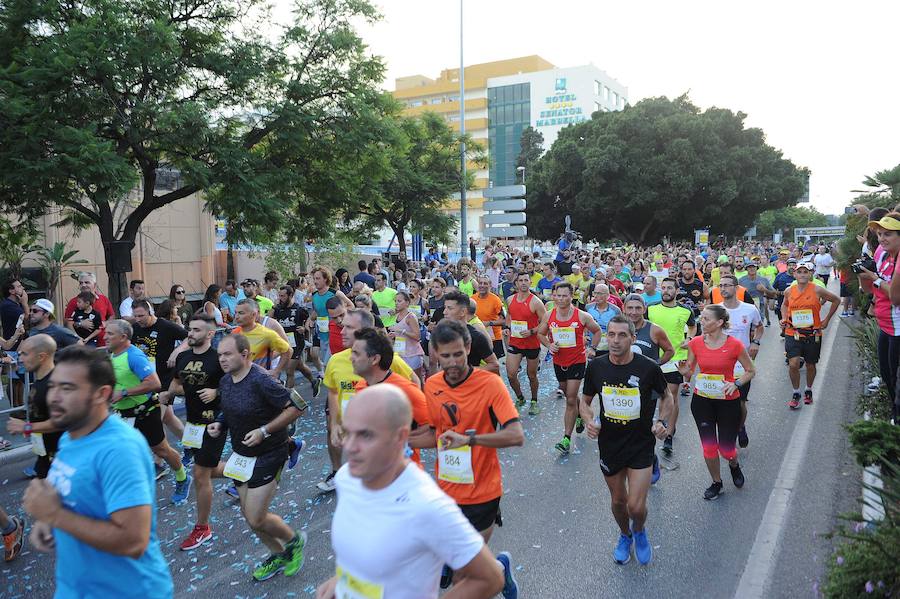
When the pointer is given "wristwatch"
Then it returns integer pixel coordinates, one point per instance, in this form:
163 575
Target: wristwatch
665 423
754 341
266 434
471 442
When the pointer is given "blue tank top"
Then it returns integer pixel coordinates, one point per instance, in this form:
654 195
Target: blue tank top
321 312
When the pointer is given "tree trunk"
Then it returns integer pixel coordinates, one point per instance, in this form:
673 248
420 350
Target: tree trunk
401 241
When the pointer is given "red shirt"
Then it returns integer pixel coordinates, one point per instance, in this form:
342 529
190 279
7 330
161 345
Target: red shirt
335 342
101 305
618 285
569 335
521 312
615 301
719 361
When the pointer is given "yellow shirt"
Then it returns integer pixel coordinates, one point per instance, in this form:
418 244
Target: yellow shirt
535 278
339 376
262 341
716 276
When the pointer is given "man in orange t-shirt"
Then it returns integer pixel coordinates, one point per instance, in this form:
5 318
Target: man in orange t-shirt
489 308
472 415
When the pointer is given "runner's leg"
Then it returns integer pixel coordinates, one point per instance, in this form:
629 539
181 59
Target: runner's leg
571 390
513 362
532 370
269 527
638 487
618 496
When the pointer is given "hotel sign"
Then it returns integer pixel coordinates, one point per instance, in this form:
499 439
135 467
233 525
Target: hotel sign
560 109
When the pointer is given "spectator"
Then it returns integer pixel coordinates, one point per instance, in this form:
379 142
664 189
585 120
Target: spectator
85 305
41 319
344 284
13 306
229 299
364 274
136 291
88 282
177 296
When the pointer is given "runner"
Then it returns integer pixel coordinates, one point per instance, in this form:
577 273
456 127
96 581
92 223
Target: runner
293 318
546 284
405 334
264 342
675 319
745 325
251 292
526 311
481 355
472 416
602 310
97 508
325 289
340 381
256 412
489 308
41 320
651 340
466 282
383 297
562 332
375 554
804 326
715 410
628 384
133 399
13 530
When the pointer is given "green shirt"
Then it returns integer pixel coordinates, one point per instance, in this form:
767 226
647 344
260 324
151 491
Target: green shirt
265 304
769 272
673 321
384 299
467 287
131 367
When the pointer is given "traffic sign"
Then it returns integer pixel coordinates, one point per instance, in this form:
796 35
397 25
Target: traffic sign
506 191
504 205
509 218
517 231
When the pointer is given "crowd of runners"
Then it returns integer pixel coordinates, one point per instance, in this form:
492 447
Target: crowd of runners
413 363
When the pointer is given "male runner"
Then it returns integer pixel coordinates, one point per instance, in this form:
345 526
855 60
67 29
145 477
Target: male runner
383 296
745 324
263 341
675 319
383 551
801 316
546 284
759 288
256 412
456 307
472 416
489 308
628 384
562 332
526 311
292 317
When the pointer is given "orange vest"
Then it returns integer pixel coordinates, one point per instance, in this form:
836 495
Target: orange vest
803 309
715 296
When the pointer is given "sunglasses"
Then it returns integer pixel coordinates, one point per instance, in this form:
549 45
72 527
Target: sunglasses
179 291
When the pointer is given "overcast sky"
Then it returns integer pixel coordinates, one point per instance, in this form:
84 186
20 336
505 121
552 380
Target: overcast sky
820 78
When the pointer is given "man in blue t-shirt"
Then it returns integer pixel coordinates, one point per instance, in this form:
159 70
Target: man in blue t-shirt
545 285
96 508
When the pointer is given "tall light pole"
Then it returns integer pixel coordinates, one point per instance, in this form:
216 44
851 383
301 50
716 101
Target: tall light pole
521 169
463 234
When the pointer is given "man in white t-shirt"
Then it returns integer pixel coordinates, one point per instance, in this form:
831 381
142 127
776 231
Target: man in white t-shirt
744 324
394 528
824 264
136 291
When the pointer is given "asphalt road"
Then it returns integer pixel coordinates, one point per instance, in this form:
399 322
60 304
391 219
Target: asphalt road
557 521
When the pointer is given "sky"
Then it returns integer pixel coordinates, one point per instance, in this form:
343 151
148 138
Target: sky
819 78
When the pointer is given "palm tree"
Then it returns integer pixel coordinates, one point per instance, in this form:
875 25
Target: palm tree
53 260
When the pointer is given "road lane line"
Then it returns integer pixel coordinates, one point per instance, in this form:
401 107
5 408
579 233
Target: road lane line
761 561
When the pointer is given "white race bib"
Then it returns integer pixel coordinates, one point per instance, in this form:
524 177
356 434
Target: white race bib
416 309
239 467
130 421
564 336
517 328
802 318
548 293
621 403
193 435
711 386
322 324
292 340
455 465
37 444
670 366
351 587
346 396
604 344
738 370
399 345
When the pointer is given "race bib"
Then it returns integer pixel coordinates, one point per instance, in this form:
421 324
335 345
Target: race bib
346 396
564 336
802 318
292 340
711 386
548 293
670 366
37 444
130 421
351 587
517 328
322 324
193 435
399 345
604 344
456 465
738 370
621 403
417 310
239 467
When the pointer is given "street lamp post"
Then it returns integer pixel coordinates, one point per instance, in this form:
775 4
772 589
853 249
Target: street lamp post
463 233
521 169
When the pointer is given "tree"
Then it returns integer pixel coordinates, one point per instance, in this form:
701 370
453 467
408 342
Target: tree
785 220
418 160
531 146
660 167
103 99
17 240
54 260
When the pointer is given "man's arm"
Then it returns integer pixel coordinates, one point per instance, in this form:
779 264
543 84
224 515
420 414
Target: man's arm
660 338
481 578
491 364
427 439
126 533
148 385
826 295
511 435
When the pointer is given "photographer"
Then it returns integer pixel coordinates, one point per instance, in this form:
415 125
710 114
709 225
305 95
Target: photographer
875 278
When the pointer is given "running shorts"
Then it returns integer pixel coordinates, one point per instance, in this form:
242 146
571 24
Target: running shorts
807 348
483 515
575 372
530 354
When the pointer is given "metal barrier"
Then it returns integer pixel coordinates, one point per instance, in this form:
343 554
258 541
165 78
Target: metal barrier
7 390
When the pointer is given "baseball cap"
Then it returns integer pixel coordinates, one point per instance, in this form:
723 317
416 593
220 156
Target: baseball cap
806 265
576 267
45 305
886 222
792 261
752 264
722 259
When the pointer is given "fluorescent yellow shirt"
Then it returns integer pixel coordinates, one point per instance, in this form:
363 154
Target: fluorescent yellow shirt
339 376
535 279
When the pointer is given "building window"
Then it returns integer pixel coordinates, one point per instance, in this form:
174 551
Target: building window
615 99
597 88
597 107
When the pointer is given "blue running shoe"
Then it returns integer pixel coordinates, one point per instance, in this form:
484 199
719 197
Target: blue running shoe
182 490
29 472
622 554
642 549
297 446
232 491
656 472
510 586
187 458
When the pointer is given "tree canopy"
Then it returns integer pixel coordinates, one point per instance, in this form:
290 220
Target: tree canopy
785 220
660 167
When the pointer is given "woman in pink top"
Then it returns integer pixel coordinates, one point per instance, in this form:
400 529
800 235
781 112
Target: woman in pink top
715 404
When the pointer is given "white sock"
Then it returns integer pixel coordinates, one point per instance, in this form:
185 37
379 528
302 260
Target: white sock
797 390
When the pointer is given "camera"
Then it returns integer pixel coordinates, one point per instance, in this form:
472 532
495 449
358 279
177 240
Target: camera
863 263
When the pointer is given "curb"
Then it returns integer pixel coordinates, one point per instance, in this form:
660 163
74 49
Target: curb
16 454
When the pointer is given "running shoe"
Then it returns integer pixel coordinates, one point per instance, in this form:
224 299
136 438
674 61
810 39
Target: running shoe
807 397
162 471
642 549
293 554
579 425
667 445
563 446
685 389
328 485
654 477
794 404
446 577
182 490
231 491
14 541
535 409
29 472
274 564
297 446
737 475
622 554
198 536
713 491
845 314
743 439
510 586
316 386
520 402
558 394
187 458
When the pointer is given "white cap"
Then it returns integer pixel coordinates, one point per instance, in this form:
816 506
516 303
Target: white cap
45 305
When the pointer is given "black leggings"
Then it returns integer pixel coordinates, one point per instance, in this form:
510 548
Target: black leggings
888 360
717 421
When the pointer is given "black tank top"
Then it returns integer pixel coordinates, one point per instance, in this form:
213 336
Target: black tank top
644 344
